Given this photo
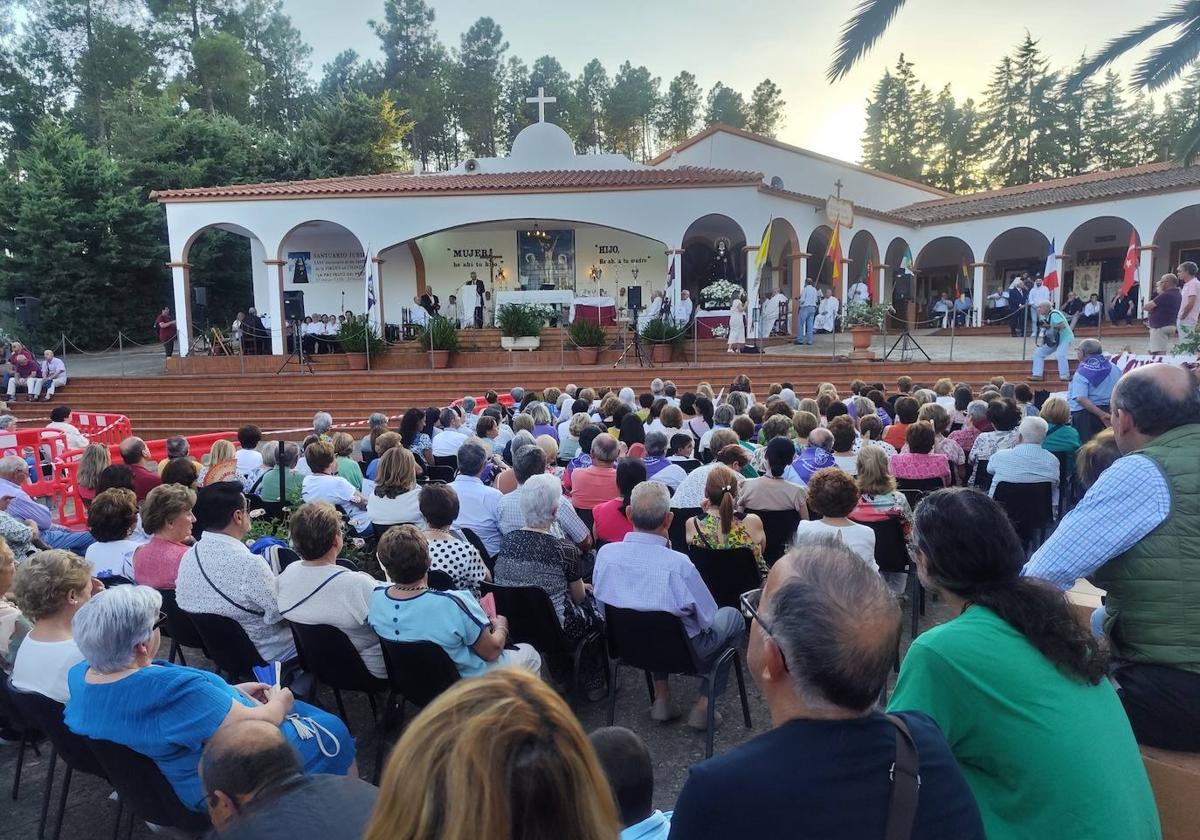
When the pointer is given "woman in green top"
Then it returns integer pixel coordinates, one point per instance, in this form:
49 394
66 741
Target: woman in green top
1018 687
267 483
1061 436
348 468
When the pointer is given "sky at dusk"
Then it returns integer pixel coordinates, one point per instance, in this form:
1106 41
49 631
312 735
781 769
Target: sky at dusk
955 42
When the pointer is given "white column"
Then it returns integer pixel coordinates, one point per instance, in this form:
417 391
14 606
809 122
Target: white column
977 296
881 286
182 288
675 260
845 287
1146 278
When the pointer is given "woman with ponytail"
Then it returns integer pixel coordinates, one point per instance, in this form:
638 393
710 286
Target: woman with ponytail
716 526
1018 686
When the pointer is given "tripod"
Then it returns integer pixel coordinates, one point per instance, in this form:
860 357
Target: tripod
297 351
906 343
634 345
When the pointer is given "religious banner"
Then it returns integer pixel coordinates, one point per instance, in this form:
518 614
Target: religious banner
1087 280
326 266
546 258
1128 361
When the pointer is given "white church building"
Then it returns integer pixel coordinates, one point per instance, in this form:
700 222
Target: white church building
595 226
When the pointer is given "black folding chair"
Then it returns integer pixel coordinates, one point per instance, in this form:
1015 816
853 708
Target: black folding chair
286 556
689 465
328 654
143 790
74 750
227 645
417 673
437 579
678 530
915 489
657 642
728 572
983 478
1067 487
25 730
441 473
1030 508
179 628
891 555
450 461
474 540
780 527
531 618
588 518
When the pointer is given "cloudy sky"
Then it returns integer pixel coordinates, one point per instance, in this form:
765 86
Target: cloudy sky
954 42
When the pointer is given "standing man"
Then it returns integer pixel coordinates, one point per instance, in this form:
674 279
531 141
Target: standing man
1163 315
1091 389
165 325
1018 312
808 312
1038 295
1189 289
859 291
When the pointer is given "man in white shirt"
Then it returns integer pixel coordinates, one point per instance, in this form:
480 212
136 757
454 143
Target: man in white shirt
683 309
249 459
325 485
450 437
478 504
858 291
808 312
220 575
1189 290
1026 462
827 313
54 374
470 418
1038 294
774 317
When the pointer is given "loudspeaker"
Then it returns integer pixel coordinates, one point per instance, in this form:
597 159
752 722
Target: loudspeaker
200 296
26 310
633 298
293 305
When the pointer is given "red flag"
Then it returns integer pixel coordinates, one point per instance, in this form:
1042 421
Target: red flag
1132 260
871 280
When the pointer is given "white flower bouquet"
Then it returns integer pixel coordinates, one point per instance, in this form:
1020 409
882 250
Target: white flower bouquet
719 295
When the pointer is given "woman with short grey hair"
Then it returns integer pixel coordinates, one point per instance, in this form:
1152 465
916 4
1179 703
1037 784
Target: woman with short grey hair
376 425
120 693
322 423
537 556
976 424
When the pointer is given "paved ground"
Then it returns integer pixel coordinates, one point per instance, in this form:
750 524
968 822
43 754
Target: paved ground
673 746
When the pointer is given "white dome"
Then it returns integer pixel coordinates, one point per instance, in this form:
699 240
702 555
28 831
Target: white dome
543 145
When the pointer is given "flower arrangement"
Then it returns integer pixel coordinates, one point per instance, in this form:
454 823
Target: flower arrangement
522 320
720 331
719 295
862 313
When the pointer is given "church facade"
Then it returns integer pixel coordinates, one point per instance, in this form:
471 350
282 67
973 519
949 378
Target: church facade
597 226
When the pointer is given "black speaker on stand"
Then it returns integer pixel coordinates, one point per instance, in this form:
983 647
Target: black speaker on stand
28 311
633 298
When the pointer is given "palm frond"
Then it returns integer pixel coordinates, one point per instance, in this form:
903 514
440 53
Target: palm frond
1166 62
1182 15
870 20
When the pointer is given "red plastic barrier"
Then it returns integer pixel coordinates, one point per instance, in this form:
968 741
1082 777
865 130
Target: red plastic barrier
505 400
48 474
102 428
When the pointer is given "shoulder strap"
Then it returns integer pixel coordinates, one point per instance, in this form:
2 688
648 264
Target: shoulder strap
200 566
906 783
699 532
258 481
314 592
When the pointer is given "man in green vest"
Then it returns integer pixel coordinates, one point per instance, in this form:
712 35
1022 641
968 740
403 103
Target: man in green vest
1136 533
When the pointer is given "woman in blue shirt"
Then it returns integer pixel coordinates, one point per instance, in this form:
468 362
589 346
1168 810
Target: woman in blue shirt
120 693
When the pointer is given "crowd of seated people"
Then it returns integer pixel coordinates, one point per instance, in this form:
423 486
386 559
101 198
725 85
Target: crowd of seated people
567 492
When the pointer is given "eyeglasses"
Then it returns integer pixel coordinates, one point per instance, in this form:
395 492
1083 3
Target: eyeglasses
750 602
161 620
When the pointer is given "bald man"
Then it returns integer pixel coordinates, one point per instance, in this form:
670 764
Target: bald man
256 789
1136 534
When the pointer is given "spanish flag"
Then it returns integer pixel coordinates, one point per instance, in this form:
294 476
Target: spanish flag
835 253
763 247
964 277
869 279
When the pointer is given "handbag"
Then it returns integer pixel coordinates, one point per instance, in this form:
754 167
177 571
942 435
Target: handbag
1051 336
906 784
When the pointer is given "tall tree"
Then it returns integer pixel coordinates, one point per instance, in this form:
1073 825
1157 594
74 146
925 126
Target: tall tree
895 139
183 23
1143 130
513 107
417 70
277 47
1022 119
629 110
591 90
1109 118
954 159
725 105
548 73
479 82
680 109
80 234
1077 127
350 134
765 114
347 72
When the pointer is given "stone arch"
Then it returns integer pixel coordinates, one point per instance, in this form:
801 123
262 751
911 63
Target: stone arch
224 273
782 261
701 263
819 267
1095 257
1016 250
1177 240
938 267
863 250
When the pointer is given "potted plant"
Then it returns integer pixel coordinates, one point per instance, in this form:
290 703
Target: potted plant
521 325
439 338
662 336
864 319
588 337
357 337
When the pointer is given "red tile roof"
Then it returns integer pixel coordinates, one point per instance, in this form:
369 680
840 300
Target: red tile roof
1094 186
500 182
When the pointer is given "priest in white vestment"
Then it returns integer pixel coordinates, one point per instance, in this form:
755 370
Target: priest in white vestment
826 313
683 310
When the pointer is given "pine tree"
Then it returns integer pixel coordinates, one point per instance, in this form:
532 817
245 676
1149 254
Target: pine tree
1111 141
629 110
479 82
897 138
1022 119
765 114
1077 125
680 109
725 105
1143 130
591 89
514 113
878 133
953 163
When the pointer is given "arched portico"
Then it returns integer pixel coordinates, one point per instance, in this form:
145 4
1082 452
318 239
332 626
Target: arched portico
713 249
1013 252
221 272
326 264
939 269
1177 240
1095 258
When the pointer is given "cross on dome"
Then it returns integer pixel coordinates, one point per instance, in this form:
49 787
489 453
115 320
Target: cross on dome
541 99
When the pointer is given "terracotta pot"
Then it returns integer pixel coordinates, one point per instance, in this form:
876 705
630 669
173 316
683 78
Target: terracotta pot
357 361
588 355
440 359
661 354
861 335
